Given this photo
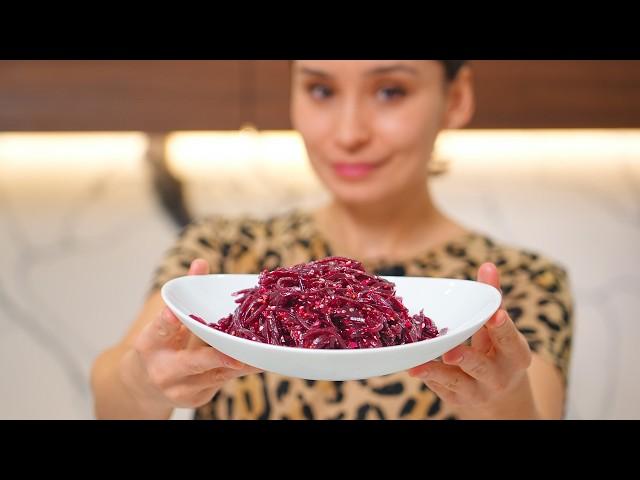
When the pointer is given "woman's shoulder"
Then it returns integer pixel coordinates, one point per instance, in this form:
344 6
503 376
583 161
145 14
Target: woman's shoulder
510 258
234 244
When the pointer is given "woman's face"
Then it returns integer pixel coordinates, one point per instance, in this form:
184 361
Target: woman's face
369 126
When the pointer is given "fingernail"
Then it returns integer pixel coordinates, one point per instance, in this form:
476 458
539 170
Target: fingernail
457 358
192 267
168 317
501 317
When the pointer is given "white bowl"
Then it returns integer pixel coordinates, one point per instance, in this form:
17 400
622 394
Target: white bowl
461 306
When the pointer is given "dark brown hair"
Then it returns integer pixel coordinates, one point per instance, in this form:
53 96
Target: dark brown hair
452 67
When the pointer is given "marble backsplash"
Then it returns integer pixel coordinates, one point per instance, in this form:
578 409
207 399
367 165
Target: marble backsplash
77 250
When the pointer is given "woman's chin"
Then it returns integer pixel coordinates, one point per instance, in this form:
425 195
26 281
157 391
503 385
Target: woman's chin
358 195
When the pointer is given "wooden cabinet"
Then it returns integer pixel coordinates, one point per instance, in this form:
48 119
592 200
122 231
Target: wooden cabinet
161 96
557 94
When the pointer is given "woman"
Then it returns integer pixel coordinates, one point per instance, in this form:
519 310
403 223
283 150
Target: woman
369 128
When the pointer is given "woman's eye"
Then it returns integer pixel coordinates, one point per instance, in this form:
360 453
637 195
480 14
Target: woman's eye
320 92
390 93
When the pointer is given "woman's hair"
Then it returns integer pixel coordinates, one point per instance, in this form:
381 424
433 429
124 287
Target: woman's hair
452 67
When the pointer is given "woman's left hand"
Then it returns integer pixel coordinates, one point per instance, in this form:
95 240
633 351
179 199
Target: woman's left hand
489 378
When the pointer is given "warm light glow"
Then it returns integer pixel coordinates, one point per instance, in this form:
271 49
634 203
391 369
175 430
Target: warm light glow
526 146
277 153
38 154
192 154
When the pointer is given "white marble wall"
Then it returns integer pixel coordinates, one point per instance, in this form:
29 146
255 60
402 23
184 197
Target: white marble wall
77 249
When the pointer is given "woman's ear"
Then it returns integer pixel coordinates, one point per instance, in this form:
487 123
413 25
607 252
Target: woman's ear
460 99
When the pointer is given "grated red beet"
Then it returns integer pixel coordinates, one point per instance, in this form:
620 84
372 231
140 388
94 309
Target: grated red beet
328 303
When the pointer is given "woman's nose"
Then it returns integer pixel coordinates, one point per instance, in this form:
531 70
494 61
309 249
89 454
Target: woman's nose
352 127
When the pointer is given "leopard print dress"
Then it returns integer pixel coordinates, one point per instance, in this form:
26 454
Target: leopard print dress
535 293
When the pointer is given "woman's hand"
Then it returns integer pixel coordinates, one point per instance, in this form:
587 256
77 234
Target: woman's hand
170 367
489 378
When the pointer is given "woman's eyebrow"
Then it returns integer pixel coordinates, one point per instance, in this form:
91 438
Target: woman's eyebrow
393 68
375 71
314 72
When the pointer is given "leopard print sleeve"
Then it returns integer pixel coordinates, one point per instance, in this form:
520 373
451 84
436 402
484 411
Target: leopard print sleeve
211 238
537 296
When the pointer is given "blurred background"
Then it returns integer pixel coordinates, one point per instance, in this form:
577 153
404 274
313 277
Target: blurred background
102 162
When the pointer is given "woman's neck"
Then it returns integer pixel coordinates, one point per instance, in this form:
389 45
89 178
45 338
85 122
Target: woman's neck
390 230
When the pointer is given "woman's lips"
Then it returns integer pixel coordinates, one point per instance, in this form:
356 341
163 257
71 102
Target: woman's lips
354 170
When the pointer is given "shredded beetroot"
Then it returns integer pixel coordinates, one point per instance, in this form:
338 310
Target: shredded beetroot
328 303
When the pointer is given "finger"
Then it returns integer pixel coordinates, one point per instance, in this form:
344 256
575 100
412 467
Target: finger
199 267
451 377
199 360
198 390
188 371
510 345
195 342
190 394
441 391
197 399
488 273
220 376
164 331
481 341
477 365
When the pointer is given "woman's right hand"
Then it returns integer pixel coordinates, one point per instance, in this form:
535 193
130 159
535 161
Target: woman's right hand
167 366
